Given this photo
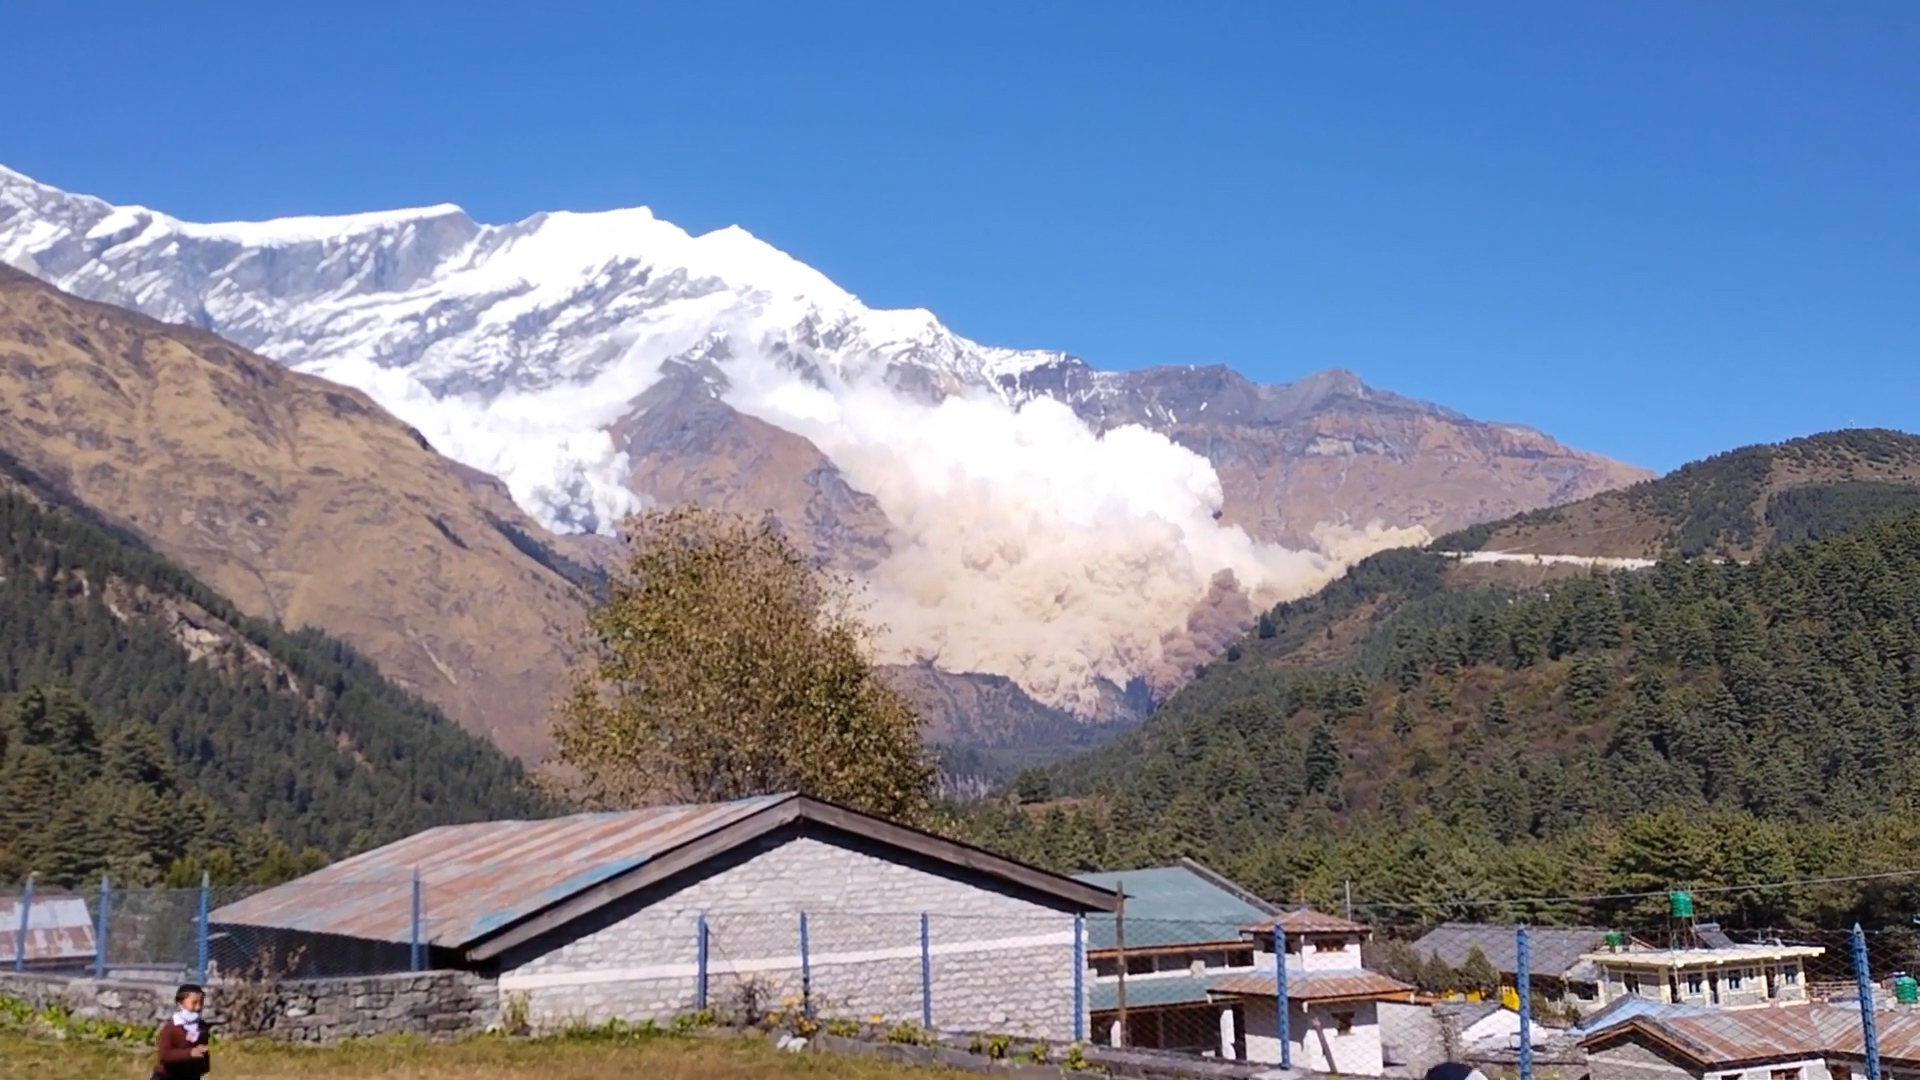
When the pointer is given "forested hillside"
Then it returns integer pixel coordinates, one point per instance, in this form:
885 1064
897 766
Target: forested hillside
1739 503
145 725
1432 739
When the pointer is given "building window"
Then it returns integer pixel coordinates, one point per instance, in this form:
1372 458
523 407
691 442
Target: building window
1240 958
1139 965
1632 979
1736 978
1696 985
1785 1074
1343 1025
1330 945
1790 976
1106 967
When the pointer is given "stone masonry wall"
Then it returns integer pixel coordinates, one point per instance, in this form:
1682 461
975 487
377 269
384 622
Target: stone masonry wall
998 963
315 1010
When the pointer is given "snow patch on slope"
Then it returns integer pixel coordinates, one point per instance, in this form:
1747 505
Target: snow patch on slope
1027 544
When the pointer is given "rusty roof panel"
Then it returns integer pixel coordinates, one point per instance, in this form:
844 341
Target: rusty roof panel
1313 985
479 878
58 928
1307 921
1723 1036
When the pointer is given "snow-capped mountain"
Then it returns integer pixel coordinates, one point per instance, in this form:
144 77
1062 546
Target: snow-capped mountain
1016 511
510 346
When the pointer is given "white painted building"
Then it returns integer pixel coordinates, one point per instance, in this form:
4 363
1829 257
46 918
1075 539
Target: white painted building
737 907
1731 976
1333 1001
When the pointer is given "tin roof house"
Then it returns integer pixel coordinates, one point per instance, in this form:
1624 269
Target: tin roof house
1181 930
1558 957
652 913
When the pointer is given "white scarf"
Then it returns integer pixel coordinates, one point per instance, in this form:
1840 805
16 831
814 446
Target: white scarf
188 1022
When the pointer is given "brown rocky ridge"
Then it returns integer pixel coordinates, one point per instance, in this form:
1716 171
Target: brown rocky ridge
298 499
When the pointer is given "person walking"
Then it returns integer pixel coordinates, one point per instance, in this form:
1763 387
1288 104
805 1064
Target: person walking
182 1042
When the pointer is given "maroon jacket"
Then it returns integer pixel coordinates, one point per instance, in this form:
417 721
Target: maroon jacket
176 1053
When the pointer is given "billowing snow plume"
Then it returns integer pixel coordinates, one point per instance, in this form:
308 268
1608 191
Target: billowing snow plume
1025 544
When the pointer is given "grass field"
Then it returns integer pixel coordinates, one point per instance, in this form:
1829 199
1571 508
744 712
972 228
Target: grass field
661 1058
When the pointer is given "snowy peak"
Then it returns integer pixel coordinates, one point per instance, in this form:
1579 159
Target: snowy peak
1016 511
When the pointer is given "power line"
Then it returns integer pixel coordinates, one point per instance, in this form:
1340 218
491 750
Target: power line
1592 898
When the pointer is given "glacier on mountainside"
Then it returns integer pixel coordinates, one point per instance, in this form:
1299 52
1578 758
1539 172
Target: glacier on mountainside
1025 542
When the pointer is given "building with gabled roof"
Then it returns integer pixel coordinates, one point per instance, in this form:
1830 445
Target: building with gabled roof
1181 929
1333 1001
1557 960
646 914
1781 1042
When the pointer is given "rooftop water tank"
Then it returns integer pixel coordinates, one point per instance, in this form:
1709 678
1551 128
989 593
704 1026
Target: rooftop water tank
1906 990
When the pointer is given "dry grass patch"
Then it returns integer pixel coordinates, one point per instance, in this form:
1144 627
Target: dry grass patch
661 1058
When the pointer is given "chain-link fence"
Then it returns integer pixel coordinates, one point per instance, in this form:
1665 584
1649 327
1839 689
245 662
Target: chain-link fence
1380 988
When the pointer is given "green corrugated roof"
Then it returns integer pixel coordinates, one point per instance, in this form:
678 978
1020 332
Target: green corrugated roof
1143 992
1170 905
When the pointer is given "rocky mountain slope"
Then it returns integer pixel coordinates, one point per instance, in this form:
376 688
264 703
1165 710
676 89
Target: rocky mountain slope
300 500
1018 513
149 728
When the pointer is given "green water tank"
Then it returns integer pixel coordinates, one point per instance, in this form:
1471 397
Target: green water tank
1616 941
1681 904
1906 989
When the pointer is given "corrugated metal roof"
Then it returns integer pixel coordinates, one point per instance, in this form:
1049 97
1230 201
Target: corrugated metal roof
1308 921
1718 1036
58 928
1145 993
1169 905
1623 1009
479 878
1554 951
1312 985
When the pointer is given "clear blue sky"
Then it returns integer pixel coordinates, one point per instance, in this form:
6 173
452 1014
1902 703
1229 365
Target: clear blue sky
1654 230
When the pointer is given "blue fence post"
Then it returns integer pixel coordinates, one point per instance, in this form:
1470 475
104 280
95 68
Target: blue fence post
20 939
1523 989
100 930
1079 978
1863 981
414 939
1282 1007
806 970
926 975
700 962
200 932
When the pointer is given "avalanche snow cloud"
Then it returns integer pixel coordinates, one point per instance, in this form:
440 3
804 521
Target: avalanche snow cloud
1024 543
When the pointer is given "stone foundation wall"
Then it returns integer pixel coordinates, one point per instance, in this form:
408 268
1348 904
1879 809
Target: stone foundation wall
308 1010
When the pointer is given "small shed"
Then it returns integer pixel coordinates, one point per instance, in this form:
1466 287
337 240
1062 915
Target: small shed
734 906
59 932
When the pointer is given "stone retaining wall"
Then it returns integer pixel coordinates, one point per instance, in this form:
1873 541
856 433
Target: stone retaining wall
308 1010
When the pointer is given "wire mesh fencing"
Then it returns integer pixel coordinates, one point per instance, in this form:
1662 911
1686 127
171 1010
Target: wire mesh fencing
1382 989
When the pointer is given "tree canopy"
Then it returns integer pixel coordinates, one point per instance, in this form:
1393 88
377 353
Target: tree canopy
1698 723
725 664
122 751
